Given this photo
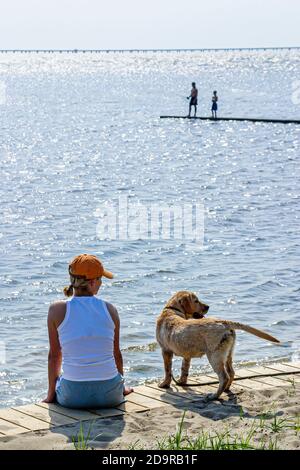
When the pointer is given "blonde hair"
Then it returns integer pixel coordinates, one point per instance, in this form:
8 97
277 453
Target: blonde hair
76 282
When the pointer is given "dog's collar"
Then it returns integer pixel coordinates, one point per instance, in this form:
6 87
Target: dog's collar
177 309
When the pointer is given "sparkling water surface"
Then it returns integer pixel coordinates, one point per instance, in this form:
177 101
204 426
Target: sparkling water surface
79 130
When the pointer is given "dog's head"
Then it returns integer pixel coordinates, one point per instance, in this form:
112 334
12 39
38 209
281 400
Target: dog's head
189 304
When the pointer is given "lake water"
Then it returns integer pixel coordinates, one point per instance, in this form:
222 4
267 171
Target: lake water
80 130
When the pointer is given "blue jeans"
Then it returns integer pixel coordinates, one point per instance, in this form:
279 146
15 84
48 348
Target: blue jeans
93 394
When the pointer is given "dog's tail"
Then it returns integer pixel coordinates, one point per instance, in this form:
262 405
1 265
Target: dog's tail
249 329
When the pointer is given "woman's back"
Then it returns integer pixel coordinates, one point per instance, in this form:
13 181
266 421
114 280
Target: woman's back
86 337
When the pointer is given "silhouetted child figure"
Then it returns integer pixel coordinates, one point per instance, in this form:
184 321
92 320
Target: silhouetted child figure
214 107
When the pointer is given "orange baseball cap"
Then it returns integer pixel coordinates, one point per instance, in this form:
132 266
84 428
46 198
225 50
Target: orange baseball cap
88 266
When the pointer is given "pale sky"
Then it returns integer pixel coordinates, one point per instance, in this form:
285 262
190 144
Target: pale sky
138 24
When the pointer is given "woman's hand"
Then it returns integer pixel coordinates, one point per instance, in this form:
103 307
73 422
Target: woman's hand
49 399
127 390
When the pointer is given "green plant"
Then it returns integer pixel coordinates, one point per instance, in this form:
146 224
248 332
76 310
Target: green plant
81 441
297 425
174 442
216 441
278 424
270 444
291 391
262 421
136 446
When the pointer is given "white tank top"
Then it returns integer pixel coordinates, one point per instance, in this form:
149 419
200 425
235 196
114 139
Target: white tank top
86 336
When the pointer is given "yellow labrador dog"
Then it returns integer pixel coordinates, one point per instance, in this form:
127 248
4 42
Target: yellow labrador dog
182 330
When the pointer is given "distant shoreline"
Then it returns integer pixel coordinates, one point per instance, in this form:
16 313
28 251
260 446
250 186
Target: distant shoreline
75 51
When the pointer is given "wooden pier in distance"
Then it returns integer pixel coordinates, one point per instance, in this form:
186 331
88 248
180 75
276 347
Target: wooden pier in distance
209 118
42 416
169 50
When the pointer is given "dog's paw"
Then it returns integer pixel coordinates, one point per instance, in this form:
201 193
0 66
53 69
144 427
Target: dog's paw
164 384
182 383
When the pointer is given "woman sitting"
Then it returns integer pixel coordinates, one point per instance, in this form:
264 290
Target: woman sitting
84 339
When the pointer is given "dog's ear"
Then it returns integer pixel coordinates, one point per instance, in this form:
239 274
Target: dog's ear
185 303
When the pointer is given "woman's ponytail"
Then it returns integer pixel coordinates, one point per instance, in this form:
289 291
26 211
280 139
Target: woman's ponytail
68 291
76 282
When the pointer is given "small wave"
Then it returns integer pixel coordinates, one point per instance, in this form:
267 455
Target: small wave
123 281
165 271
143 347
285 323
141 368
76 190
58 264
268 285
10 282
11 298
148 275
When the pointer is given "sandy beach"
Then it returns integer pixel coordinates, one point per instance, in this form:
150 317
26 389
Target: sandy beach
269 418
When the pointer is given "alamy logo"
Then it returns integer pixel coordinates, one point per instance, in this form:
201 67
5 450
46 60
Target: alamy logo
2 353
296 92
2 92
125 220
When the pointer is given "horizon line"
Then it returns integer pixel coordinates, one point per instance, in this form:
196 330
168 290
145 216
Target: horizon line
76 50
